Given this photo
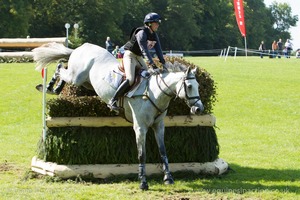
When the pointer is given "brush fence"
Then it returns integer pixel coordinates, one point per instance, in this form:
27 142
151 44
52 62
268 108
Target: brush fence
217 167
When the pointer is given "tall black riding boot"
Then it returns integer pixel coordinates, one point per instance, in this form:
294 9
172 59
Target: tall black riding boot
112 104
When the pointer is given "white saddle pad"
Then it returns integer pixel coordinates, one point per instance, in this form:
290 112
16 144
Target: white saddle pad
114 78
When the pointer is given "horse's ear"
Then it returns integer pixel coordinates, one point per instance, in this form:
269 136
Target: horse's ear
194 71
188 71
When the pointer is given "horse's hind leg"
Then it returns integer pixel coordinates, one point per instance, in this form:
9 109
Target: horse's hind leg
65 74
158 129
50 87
61 83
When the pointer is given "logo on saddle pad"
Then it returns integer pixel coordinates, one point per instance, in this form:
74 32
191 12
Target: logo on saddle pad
117 75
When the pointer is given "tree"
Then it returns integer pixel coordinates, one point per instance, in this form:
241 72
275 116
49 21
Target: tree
258 23
186 24
282 14
179 26
217 25
14 18
96 19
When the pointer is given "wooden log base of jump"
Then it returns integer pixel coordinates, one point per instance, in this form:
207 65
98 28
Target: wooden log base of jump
217 167
202 120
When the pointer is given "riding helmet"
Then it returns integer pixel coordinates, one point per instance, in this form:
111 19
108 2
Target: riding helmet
152 17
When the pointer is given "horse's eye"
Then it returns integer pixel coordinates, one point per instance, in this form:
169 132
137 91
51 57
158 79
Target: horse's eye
189 86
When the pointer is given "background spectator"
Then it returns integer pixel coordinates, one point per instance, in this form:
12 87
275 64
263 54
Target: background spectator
262 49
108 45
289 47
279 45
274 49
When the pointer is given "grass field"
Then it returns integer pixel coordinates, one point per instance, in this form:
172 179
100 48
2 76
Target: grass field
258 127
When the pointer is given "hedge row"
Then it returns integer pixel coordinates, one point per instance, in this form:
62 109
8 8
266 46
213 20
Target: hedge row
108 145
16 60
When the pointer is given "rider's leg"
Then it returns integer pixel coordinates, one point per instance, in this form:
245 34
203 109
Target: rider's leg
112 104
130 62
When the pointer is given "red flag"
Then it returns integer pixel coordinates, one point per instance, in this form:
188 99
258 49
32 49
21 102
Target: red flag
239 15
42 72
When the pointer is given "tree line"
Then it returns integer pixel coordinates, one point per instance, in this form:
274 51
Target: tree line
186 24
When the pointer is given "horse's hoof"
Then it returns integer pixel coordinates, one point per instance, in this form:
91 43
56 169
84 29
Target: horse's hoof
144 186
168 180
39 87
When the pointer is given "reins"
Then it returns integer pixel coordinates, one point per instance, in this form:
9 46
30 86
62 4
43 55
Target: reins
173 93
160 111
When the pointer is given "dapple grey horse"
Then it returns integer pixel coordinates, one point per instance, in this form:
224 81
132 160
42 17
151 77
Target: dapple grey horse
89 64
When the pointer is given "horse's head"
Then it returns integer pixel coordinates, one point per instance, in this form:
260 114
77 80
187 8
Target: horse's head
187 89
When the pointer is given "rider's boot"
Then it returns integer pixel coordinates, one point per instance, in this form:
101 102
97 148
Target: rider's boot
59 86
112 104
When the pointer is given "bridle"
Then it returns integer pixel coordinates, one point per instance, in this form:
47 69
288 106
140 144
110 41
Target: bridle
173 93
183 85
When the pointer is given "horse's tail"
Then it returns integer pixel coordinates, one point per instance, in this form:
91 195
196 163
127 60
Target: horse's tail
48 53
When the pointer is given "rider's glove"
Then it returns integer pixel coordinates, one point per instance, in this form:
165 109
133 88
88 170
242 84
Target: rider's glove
154 69
165 69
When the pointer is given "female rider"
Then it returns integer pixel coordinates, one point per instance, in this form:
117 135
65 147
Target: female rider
141 40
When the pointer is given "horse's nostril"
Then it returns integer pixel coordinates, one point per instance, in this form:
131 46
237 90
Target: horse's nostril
195 110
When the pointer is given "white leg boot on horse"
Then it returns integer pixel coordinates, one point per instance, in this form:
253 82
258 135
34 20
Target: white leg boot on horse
59 86
112 104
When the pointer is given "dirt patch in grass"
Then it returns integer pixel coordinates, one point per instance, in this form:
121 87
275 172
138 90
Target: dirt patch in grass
5 166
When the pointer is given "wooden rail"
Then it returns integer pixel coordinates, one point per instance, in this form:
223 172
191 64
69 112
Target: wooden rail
202 120
217 167
28 42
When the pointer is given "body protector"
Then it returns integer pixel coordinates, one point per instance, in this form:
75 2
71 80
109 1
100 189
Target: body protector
141 40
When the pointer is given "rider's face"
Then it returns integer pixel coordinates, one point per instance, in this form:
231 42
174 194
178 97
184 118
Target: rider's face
154 26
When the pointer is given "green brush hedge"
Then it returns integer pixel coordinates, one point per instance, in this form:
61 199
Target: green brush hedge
107 145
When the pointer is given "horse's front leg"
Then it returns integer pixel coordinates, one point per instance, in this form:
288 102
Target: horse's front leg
159 131
140 134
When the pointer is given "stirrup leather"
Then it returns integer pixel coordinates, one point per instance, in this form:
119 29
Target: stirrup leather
112 104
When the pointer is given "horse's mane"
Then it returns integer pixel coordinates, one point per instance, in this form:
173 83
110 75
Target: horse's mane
175 64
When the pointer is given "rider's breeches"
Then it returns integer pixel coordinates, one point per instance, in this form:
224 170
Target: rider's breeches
130 61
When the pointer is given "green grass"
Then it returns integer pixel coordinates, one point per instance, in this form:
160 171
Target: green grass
258 119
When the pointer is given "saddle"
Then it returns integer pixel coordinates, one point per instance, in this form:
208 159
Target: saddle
137 76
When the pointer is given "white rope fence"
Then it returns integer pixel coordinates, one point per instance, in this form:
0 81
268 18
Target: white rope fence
235 50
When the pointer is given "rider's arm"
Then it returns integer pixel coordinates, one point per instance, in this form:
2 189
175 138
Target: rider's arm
158 50
141 38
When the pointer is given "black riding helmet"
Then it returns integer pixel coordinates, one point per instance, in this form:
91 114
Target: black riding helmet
152 17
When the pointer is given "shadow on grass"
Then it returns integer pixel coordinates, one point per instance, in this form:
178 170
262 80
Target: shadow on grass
238 180
245 179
